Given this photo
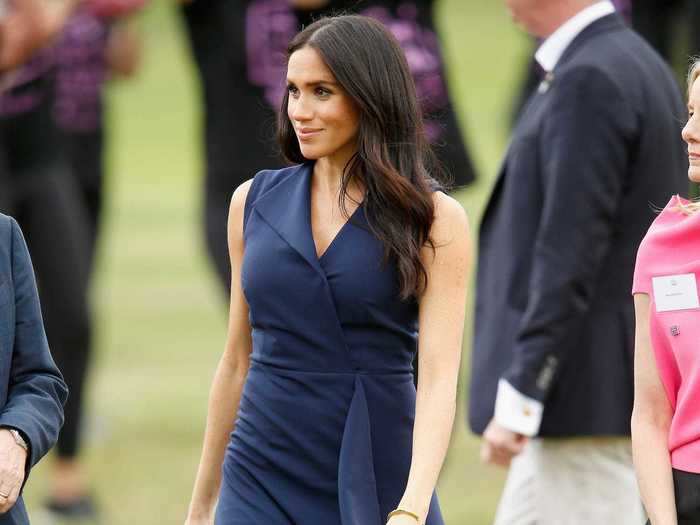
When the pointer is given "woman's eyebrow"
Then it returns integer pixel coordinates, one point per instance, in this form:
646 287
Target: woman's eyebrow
314 82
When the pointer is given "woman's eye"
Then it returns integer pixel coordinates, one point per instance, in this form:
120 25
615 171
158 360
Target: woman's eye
292 90
322 92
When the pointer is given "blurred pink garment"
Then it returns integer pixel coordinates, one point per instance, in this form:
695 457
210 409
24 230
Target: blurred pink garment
668 270
114 8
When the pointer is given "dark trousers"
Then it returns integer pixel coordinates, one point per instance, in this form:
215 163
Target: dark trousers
686 486
85 155
38 188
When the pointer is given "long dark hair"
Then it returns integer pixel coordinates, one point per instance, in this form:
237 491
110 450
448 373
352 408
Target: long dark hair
394 161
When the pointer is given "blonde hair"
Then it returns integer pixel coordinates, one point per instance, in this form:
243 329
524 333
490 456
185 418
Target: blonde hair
689 208
693 74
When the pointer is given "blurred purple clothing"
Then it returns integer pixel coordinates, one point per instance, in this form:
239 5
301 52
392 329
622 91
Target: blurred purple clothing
73 71
81 71
271 25
422 49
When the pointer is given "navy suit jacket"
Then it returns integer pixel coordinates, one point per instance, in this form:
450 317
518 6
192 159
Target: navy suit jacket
596 148
32 391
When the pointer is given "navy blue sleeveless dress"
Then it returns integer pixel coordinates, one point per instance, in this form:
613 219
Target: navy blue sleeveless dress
325 423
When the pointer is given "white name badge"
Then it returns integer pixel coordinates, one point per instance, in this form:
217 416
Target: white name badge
675 292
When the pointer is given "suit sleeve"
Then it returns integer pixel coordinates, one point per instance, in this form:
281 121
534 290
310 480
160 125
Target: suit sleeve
36 391
585 147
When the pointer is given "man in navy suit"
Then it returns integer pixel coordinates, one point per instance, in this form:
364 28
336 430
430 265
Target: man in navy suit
32 391
597 146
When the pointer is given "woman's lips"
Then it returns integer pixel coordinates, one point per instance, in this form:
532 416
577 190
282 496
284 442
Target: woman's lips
694 157
307 133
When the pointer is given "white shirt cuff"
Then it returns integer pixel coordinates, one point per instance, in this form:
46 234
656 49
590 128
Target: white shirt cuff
517 412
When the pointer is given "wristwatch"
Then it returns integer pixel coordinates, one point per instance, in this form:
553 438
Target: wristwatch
19 439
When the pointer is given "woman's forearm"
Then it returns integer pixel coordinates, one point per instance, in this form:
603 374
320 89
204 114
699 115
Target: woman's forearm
653 465
224 399
435 412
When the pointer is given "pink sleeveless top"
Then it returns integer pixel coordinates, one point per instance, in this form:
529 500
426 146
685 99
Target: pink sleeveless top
668 270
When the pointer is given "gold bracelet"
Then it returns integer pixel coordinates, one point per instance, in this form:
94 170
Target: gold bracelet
402 512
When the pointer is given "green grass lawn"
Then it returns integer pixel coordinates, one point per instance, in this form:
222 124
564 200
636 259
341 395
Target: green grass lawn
160 315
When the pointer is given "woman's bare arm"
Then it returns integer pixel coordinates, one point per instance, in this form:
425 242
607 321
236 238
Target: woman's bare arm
651 419
441 325
229 379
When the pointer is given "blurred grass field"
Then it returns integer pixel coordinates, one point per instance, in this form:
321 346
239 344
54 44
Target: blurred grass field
160 315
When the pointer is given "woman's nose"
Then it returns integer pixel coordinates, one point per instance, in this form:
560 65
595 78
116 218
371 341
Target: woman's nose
300 109
691 133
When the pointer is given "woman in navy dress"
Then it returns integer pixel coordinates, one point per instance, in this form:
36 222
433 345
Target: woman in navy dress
343 265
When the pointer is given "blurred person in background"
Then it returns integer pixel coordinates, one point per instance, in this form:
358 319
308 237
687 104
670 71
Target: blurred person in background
95 46
551 386
352 258
32 391
239 49
51 138
665 433
37 188
99 42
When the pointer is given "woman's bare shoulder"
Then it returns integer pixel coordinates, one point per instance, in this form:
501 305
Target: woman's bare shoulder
450 219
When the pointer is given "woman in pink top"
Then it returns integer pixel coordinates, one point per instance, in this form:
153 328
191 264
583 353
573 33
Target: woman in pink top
666 416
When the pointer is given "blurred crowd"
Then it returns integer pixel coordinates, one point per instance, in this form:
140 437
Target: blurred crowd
56 58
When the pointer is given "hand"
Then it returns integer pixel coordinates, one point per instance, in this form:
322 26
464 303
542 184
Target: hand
124 49
29 25
56 15
499 445
21 31
13 459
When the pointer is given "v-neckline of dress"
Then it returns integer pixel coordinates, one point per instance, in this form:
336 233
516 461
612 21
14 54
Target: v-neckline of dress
337 235
340 231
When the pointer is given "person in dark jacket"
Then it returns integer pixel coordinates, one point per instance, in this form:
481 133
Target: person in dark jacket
32 391
598 145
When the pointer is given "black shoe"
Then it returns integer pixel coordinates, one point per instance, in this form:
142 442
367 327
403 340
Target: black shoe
82 510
